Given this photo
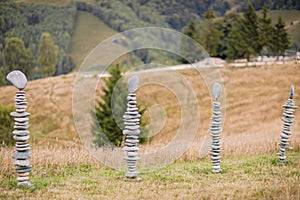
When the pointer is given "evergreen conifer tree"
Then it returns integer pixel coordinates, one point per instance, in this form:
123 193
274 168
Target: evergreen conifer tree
48 55
210 35
111 133
280 40
250 32
266 30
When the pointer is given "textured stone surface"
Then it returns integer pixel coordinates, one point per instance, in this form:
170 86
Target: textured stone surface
17 78
216 90
25 184
21 135
288 119
131 130
292 91
216 130
133 84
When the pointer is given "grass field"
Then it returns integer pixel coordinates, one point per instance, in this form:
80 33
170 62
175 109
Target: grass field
70 173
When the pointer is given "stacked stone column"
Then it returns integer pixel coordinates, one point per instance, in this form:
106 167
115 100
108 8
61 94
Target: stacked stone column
216 130
21 134
132 130
288 119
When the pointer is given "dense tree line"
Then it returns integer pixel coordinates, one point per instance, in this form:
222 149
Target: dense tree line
22 26
26 23
240 36
126 14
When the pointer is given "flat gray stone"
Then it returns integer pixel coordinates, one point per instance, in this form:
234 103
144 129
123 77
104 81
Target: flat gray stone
135 148
21 155
23 170
131 174
132 141
20 103
132 154
128 116
21 127
133 120
21 123
21 138
21 107
17 78
21 162
131 98
284 135
133 109
22 145
135 127
131 123
216 157
25 184
19 115
131 132
133 113
23 178
135 158
23 149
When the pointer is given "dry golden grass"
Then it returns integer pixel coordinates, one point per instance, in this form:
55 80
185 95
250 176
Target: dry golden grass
253 109
62 169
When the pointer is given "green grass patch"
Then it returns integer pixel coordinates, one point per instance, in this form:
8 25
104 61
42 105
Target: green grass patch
248 177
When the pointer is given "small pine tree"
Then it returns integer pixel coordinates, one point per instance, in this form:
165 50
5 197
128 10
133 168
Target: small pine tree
111 133
109 112
48 55
250 32
6 126
235 43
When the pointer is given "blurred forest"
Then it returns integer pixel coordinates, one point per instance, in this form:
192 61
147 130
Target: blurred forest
22 25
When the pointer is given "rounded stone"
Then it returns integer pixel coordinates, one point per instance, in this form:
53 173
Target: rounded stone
21 162
17 78
21 155
23 178
135 148
18 115
21 138
131 132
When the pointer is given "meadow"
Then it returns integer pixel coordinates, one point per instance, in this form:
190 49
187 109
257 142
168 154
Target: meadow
63 169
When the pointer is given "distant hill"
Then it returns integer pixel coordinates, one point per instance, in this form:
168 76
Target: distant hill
89 32
292 22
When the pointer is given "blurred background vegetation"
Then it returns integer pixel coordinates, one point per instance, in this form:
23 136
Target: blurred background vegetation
216 24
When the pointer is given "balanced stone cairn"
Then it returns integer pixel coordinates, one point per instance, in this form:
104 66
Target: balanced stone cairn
21 134
216 129
132 130
288 119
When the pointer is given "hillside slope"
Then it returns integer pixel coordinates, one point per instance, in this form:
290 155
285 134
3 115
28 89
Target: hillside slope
253 110
89 32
